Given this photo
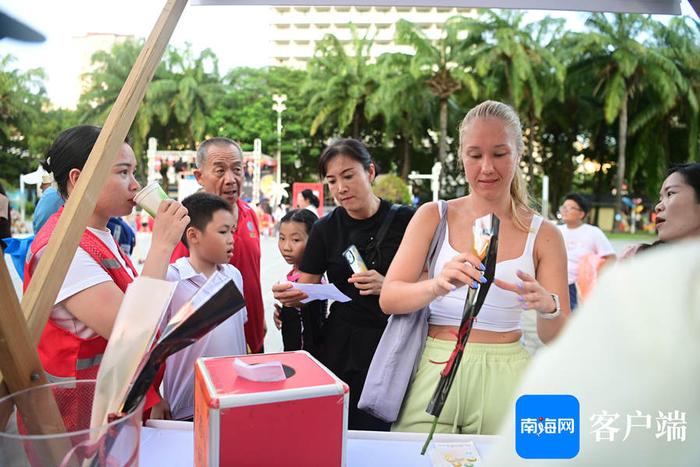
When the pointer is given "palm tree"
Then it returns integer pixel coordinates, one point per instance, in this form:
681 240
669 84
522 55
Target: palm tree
623 68
518 62
186 93
679 42
443 66
403 102
338 84
103 84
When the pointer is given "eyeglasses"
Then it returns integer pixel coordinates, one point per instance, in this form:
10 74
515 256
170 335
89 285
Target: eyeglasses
567 208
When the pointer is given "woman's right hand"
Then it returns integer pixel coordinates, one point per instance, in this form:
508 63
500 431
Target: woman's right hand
463 269
169 224
288 296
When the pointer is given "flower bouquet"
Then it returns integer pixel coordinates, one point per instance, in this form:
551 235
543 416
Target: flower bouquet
485 230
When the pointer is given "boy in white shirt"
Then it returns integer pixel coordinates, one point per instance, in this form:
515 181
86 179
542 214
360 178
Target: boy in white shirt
581 239
210 241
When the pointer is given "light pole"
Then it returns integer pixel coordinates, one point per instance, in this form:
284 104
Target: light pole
279 107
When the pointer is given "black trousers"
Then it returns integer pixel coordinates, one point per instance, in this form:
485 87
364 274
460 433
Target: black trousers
349 348
302 328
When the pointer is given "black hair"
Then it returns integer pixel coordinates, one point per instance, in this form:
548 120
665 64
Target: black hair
309 196
346 147
302 216
583 204
647 246
691 175
69 151
201 207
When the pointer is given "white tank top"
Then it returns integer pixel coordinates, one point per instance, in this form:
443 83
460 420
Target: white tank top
501 310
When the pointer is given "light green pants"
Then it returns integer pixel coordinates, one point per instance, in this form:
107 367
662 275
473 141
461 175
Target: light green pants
481 394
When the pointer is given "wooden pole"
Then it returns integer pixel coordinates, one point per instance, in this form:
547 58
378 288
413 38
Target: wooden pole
19 360
40 296
22 368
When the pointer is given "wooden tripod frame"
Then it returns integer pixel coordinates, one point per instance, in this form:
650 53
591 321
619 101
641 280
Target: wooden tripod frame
21 325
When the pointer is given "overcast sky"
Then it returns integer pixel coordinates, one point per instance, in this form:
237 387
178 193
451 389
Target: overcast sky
237 34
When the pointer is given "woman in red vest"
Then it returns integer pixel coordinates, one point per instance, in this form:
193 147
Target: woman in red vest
85 309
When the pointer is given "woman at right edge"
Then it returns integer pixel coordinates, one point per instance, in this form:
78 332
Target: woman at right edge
530 274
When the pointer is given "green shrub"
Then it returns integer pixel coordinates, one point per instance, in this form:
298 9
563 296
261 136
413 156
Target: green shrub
392 188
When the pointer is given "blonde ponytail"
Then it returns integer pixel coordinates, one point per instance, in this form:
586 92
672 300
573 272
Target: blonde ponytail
519 197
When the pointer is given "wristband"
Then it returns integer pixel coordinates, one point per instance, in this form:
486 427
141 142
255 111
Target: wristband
557 309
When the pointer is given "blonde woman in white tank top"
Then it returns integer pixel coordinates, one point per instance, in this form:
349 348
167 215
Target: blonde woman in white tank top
490 148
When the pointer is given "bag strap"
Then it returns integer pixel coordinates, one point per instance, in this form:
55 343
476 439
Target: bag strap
384 228
438 238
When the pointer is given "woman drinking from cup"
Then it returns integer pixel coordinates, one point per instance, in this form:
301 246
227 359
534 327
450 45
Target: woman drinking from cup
86 307
353 329
530 274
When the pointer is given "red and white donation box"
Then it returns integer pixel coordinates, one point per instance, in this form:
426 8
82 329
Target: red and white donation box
301 420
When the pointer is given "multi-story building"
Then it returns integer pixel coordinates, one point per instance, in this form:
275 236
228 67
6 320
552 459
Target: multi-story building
295 30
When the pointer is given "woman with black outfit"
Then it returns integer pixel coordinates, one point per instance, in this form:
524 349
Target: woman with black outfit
375 228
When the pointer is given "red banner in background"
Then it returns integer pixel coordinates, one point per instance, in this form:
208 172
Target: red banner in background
317 189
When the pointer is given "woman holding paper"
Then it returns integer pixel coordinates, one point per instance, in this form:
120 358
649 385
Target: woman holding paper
530 274
85 309
375 228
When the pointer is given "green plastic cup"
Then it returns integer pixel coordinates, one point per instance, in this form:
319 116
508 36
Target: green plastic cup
150 197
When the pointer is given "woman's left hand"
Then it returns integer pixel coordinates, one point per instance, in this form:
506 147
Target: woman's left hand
368 282
530 293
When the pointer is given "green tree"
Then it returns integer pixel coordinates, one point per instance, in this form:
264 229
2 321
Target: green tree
517 62
405 105
185 93
443 66
623 68
338 85
392 188
184 90
246 113
23 107
680 41
103 85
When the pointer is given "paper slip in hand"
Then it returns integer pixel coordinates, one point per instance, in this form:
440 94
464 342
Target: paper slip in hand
263 372
463 454
321 292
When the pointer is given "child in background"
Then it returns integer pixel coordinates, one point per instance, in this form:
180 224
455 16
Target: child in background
210 241
301 327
